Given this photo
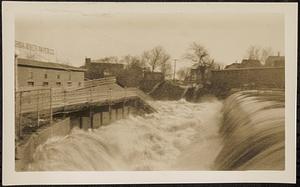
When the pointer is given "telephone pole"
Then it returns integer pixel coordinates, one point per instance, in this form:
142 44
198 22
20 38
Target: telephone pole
175 60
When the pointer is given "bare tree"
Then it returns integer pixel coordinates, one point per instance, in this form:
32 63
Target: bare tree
109 59
255 52
156 57
165 65
132 61
198 54
183 73
166 68
265 53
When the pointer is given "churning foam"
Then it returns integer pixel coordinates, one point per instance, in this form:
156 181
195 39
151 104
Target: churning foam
180 136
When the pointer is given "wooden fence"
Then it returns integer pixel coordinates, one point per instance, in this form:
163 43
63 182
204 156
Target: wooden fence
34 108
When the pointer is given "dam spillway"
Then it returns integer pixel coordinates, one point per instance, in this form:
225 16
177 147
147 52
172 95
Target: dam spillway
242 132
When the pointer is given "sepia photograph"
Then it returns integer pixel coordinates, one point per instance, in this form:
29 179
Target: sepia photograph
140 87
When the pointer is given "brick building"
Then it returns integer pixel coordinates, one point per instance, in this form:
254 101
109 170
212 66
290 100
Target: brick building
275 61
33 73
246 63
150 79
101 68
260 77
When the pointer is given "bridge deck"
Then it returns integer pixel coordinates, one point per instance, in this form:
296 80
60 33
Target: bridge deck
59 100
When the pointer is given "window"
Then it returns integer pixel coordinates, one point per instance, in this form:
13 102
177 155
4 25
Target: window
58 76
31 75
69 76
30 83
46 76
58 83
45 83
69 83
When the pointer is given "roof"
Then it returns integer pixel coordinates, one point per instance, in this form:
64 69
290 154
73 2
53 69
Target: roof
106 63
275 58
248 68
47 65
246 61
233 65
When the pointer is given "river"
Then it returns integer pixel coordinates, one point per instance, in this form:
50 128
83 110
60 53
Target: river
243 132
175 138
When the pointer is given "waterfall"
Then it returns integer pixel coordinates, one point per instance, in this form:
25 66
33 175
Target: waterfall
243 132
253 132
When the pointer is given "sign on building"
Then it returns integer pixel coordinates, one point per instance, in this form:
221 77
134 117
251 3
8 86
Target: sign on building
32 47
34 52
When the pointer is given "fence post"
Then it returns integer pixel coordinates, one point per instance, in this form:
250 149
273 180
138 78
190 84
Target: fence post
91 95
123 106
38 112
51 117
20 117
109 104
91 118
64 99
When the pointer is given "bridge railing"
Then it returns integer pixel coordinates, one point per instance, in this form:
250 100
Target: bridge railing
34 108
98 82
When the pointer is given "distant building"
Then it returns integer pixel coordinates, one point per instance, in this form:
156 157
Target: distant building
99 68
150 79
233 66
33 73
275 61
246 63
250 63
196 74
255 77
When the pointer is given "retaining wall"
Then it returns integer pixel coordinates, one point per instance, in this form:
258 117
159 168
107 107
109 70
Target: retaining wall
25 151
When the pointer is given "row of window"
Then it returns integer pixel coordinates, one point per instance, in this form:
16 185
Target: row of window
46 76
31 83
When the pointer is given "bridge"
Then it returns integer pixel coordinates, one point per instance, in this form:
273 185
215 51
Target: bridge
37 107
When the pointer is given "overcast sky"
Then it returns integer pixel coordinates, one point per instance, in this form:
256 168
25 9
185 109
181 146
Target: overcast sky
75 35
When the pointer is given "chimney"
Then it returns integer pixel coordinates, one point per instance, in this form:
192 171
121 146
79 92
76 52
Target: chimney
87 61
278 53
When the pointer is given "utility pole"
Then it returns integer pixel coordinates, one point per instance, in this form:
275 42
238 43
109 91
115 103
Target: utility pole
175 60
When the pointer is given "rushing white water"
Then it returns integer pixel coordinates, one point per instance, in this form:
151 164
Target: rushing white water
245 132
180 136
253 132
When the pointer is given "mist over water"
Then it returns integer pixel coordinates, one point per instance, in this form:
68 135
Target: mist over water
179 137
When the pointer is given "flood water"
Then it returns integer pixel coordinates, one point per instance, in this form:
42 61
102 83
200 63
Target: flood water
178 137
244 132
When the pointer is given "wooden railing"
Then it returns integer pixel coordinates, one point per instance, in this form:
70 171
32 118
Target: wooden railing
36 107
99 82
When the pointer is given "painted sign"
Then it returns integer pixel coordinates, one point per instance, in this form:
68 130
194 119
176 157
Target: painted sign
34 48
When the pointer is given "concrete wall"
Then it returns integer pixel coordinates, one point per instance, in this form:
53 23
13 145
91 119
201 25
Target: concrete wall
25 151
54 76
116 114
257 77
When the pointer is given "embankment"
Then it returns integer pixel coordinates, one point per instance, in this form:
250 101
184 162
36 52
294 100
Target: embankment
253 132
167 90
